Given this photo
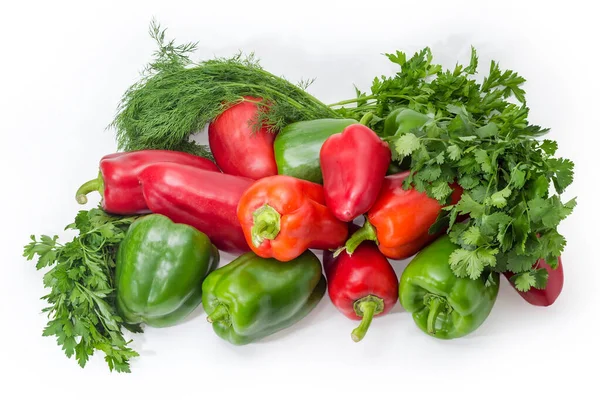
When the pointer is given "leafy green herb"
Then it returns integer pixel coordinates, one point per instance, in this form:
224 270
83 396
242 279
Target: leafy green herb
479 137
81 308
176 98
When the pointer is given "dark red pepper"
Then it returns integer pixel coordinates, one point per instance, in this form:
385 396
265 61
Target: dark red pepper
237 149
118 181
354 164
547 296
361 286
206 200
400 219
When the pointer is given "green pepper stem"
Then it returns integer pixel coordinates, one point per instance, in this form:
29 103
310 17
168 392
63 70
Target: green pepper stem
366 118
435 307
96 184
366 232
266 224
366 307
219 314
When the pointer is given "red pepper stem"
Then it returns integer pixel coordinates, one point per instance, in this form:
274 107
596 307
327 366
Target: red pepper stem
436 305
366 232
96 184
220 313
367 308
266 224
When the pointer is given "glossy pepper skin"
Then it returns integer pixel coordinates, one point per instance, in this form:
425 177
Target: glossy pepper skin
547 296
206 200
282 217
443 305
352 183
160 269
252 297
237 149
118 182
399 221
403 120
361 286
298 146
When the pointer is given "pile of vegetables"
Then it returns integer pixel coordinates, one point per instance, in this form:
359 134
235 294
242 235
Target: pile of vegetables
442 168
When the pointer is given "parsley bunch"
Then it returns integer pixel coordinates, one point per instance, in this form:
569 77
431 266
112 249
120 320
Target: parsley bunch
81 308
478 136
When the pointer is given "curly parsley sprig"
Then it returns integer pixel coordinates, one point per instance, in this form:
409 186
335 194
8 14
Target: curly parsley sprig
81 308
479 137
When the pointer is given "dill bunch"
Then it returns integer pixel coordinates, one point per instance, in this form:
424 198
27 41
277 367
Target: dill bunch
176 98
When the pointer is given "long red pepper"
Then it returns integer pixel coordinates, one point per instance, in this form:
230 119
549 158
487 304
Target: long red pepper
547 296
206 200
237 149
284 216
118 178
361 286
354 163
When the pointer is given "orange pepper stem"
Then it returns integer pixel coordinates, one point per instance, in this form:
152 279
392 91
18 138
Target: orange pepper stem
266 224
366 232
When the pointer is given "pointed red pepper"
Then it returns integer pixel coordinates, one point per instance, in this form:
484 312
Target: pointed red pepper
206 200
283 216
237 149
354 164
400 219
547 296
118 181
361 286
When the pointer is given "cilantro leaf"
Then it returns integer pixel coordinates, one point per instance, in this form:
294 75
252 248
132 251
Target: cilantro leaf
563 173
467 205
454 152
480 138
407 143
498 199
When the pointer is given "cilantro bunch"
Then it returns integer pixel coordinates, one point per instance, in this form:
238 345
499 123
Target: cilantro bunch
82 313
478 136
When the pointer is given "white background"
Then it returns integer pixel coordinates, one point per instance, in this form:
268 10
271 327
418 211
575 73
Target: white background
63 68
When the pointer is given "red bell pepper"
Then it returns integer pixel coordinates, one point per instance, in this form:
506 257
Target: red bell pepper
283 216
399 221
361 286
237 149
354 163
547 296
118 181
206 200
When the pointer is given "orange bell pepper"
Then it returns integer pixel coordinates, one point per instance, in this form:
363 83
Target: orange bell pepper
399 221
283 216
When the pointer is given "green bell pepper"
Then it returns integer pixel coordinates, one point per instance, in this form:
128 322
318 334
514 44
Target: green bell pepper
298 145
160 268
443 305
253 297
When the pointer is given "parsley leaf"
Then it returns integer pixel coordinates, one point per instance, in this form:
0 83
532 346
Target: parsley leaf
82 314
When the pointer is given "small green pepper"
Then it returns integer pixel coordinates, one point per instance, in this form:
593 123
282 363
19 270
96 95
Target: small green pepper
298 145
443 305
253 297
403 120
160 269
